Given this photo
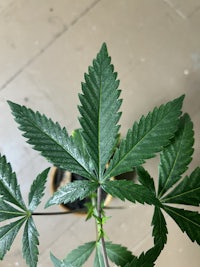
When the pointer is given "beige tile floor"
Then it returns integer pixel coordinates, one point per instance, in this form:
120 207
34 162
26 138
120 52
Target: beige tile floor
47 45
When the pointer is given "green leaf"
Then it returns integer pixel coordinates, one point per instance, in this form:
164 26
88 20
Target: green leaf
118 254
51 140
8 234
98 260
145 178
187 192
72 191
176 157
30 243
78 139
146 138
8 212
57 262
99 110
188 221
79 256
146 259
9 188
124 189
37 190
159 228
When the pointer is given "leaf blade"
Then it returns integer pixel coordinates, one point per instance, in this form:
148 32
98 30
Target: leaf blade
99 109
8 234
146 259
159 228
52 141
9 187
8 212
79 256
146 138
98 260
57 262
187 192
30 243
128 190
37 190
72 191
175 158
118 254
145 179
188 221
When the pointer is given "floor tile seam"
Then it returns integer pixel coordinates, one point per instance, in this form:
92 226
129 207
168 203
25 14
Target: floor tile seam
48 45
177 11
67 231
142 241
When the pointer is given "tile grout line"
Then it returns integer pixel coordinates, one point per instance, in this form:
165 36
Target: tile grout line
176 10
45 47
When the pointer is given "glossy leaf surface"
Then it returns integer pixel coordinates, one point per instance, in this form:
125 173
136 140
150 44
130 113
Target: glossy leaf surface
57 262
98 260
118 254
8 212
8 234
72 191
147 137
176 157
37 190
30 243
187 192
188 221
9 187
99 110
159 228
145 179
51 140
128 190
80 255
78 139
146 259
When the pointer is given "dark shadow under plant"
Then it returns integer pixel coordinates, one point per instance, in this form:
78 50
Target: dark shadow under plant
87 152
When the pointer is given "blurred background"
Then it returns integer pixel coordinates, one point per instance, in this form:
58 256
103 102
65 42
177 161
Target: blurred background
45 48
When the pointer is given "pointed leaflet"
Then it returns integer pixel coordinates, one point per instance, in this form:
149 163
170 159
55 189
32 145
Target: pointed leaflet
78 139
30 242
146 259
80 255
124 189
99 110
145 178
9 188
187 191
57 262
188 221
147 137
118 254
76 257
37 190
72 191
8 212
176 157
51 140
8 234
98 260
159 228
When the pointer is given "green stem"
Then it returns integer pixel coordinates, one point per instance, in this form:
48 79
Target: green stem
100 225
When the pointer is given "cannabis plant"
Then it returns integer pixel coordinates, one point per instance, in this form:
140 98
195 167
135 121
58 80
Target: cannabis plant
97 153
